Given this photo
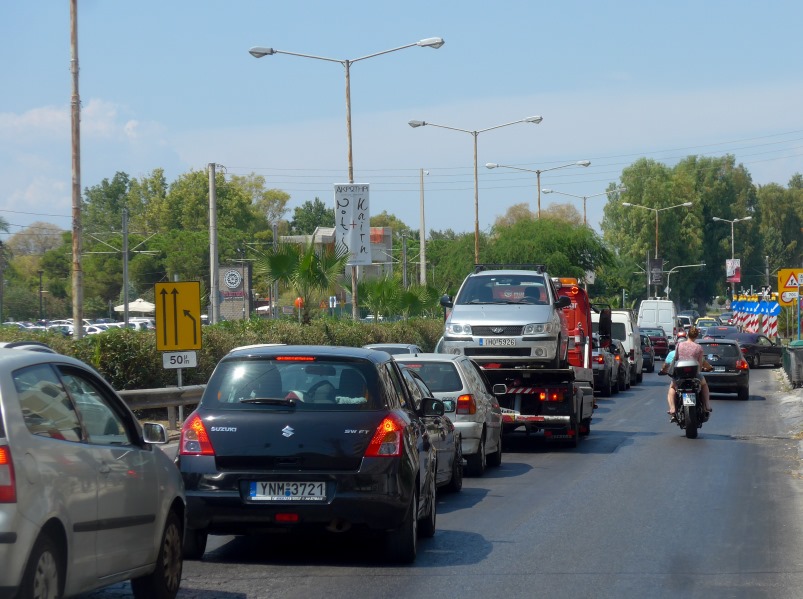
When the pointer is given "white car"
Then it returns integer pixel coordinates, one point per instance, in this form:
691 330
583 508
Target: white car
469 403
86 500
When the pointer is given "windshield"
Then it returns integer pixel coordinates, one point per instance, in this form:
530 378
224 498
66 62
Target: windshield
504 289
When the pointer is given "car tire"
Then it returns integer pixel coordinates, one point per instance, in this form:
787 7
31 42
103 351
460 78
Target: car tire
427 525
165 580
757 361
605 388
456 482
743 394
401 543
495 459
620 381
195 543
45 573
477 461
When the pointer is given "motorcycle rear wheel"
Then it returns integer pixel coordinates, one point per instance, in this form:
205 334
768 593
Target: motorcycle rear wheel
690 417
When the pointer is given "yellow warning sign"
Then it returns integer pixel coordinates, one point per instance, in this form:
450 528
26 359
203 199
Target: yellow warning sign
789 282
178 315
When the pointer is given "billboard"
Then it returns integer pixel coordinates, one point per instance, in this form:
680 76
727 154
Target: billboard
656 271
352 222
733 270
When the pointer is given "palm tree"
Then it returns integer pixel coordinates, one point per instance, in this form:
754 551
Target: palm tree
311 273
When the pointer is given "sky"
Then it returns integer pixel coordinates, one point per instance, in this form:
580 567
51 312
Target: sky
172 85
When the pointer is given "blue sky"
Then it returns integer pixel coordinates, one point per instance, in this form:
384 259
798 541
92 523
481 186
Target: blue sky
171 85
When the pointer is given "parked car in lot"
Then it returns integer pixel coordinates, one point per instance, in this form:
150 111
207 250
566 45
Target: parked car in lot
442 434
759 350
605 368
648 353
623 365
731 372
659 340
288 438
396 348
462 386
86 500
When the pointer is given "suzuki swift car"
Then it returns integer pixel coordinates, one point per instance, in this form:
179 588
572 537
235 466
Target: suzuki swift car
86 499
290 438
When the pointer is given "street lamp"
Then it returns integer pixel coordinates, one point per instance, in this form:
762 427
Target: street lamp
735 220
673 269
584 198
656 210
475 134
41 312
538 174
423 235
430 42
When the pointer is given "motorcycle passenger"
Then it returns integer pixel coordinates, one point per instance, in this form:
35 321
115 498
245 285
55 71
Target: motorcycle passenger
688 350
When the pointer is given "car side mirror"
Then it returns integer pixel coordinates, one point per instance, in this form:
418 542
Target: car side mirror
446 301
432 407
154 433
563 302
499 389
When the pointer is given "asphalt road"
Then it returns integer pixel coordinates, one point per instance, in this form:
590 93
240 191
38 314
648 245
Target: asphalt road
637 510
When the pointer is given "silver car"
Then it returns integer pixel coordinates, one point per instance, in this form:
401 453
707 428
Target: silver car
85 499
469 403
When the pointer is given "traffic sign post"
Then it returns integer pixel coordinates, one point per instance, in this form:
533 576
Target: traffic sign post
178 316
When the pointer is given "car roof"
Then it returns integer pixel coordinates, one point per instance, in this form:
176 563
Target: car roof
719 341
36 346
323 351
427 357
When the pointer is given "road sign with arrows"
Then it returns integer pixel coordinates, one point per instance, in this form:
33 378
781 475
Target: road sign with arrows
178 316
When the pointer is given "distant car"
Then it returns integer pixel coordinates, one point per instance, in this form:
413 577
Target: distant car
470 404
726 318
759 350
443 435
396 348
706 321
719 332
648 353
623 365
660 342
692 314
294 437
85 499
731 372
605 369
685 321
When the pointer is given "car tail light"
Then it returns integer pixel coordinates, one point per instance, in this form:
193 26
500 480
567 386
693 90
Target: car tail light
387 440
295 358
599 359
551 394
618 358
742 365
194 438
286 517
744 350
466 404
8 485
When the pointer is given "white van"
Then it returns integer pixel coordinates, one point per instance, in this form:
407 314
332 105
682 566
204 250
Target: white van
625 329
660 313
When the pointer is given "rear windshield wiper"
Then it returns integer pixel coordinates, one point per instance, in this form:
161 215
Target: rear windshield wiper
270 401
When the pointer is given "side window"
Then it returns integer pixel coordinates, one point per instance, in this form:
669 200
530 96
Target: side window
103 425
397 398
412 385
46 408
474 375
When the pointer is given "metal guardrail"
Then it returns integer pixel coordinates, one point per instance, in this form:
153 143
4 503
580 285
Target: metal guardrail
167 397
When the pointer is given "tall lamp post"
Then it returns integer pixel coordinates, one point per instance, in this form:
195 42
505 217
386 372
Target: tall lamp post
475 134
538 174
656 210
422 277
673 269
735 220
41 312
430 42
584 198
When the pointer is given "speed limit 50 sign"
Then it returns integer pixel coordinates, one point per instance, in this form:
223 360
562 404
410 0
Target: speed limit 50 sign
180 359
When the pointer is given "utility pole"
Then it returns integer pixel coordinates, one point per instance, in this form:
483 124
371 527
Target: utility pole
125 267
404 260
77 246
2 277
214 290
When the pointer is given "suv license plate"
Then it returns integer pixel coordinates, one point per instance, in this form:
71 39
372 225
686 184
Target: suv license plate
497 342
287 491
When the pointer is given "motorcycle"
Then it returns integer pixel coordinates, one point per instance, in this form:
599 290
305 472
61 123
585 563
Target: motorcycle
689 409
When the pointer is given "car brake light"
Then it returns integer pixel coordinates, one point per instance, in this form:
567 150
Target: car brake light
8 486
387 440
742 365
599 359
295 358
194 439
466 404
550 394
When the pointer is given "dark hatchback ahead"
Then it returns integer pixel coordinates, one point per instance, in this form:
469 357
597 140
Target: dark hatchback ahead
291 438
731 372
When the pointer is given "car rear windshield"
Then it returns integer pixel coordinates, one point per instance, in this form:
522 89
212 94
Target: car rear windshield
723 350
304 383
440 377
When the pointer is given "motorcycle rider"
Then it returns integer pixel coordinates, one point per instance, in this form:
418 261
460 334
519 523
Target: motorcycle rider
688 350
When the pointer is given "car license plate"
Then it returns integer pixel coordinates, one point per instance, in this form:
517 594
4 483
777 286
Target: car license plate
498 342
719 369
689 399
287 491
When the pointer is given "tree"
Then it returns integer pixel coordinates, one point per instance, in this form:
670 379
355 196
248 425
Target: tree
311 273
311 215
35 239
269 203
103 204
514 214
564 212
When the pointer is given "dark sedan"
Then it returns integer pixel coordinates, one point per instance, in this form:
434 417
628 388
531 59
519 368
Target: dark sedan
647 353
759 349
719 332
309 437
731 372
660 342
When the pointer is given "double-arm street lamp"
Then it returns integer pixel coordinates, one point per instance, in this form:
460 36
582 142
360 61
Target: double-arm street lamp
735 220
538 174
673 269
584 198
475 134
430 42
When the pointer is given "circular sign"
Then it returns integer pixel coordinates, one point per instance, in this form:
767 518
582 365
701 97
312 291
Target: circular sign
233 279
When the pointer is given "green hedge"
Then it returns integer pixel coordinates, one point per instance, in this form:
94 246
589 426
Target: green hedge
129 360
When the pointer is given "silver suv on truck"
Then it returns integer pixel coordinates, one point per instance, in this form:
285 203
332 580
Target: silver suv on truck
509 314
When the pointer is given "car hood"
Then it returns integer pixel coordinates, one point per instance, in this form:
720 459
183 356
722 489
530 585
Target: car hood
501 314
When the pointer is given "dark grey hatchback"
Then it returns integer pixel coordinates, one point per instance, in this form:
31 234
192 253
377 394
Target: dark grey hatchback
299 437
731 373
